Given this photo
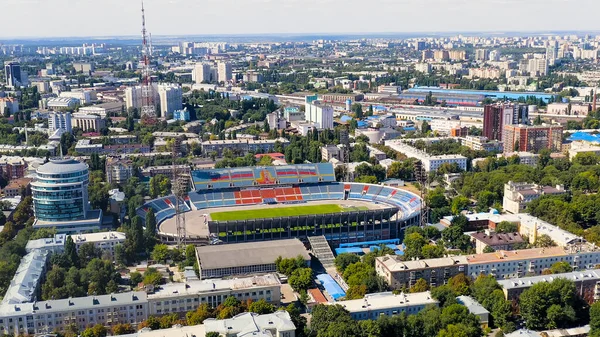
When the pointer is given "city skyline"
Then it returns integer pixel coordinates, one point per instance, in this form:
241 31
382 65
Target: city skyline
215 17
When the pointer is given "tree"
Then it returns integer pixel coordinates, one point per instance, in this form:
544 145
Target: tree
506 227
419 286
71 252
460 284
544 240
212 334
301 279
425 128
261 307
97 330
266 127
150 230
356 292
122 329
153 276
344 260
88 252
136 277
595 320
160 253
561 267
459 203
199 315
414 243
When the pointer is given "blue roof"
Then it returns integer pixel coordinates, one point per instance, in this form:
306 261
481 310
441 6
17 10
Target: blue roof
409 128
492 94
345 118
332 287
362 124
350 250
588 137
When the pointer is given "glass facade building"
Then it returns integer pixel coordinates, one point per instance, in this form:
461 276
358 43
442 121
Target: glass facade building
60 191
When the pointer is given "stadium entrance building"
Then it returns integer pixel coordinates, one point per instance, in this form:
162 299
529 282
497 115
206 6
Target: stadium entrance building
283 202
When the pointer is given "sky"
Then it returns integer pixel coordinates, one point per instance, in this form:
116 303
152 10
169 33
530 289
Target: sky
80 18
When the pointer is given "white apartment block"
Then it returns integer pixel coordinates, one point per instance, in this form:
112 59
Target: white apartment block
171 99
538 67
387 304
106 241
277 324
59 121
224 72
320 114
133 96
202 73
430 163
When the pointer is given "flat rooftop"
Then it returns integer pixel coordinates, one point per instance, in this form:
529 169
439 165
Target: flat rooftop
388 300
395 263
526 282
516 255
249 254
207 286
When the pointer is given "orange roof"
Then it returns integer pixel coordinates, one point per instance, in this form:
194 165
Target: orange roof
523 254
317 295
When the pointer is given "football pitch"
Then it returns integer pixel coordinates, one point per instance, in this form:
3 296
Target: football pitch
277 212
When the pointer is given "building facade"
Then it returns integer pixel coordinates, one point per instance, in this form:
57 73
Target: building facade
59 122
387 304
319 113
60 191
532 138
518 195
88 122
171 99
242 146
224 72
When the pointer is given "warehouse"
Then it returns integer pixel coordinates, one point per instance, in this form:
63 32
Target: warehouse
246 258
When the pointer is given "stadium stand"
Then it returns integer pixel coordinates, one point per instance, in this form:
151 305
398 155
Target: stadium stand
163 208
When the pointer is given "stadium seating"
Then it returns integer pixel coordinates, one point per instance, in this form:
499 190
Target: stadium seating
282 184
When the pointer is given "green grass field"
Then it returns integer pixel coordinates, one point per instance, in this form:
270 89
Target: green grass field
280 212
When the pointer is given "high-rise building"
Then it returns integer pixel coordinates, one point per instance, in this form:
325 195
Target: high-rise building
552 52
495 116
118 171
12 72
9 102
441 55
133 96
202 73
59 122
60 191
537 67
532 138
482 55
319 113
171 99
421 45
224 72
495 55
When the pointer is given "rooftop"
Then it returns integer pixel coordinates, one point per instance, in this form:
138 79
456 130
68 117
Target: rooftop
90 301
395 263
515 255
24 284
205 286
251 324
249 254
526 282
474 307
98 237
62 166
388 300
495 239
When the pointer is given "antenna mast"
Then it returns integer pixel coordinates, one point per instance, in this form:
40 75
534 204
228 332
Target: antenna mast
148 112
180 189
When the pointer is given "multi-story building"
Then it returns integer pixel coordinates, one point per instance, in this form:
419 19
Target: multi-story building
171 99
133 96
457 55
496 241
242 146
482 55
277 324
500 264
59 123
490 73
15 186
84 96
106 241
532 138
183 297
12 73
518 195
83 67
88 122
258 258
118 171
495 116
587 283
319 113
436 272
10 103
330 152
13 167
441 55
480 143
292 114
203 73
182 115
538 67
569 109
224 72
430 163
62 103
252 76
372 306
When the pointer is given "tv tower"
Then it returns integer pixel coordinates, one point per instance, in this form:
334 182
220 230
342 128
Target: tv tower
148 112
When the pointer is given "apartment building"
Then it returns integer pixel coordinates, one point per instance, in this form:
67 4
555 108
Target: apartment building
518 195
242 146
480 143
372 306
500 264
118 171
13 167
430 163
532 138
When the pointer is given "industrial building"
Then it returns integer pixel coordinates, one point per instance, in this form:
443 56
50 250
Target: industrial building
257 258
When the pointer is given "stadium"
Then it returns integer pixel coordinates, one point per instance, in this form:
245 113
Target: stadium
281 202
